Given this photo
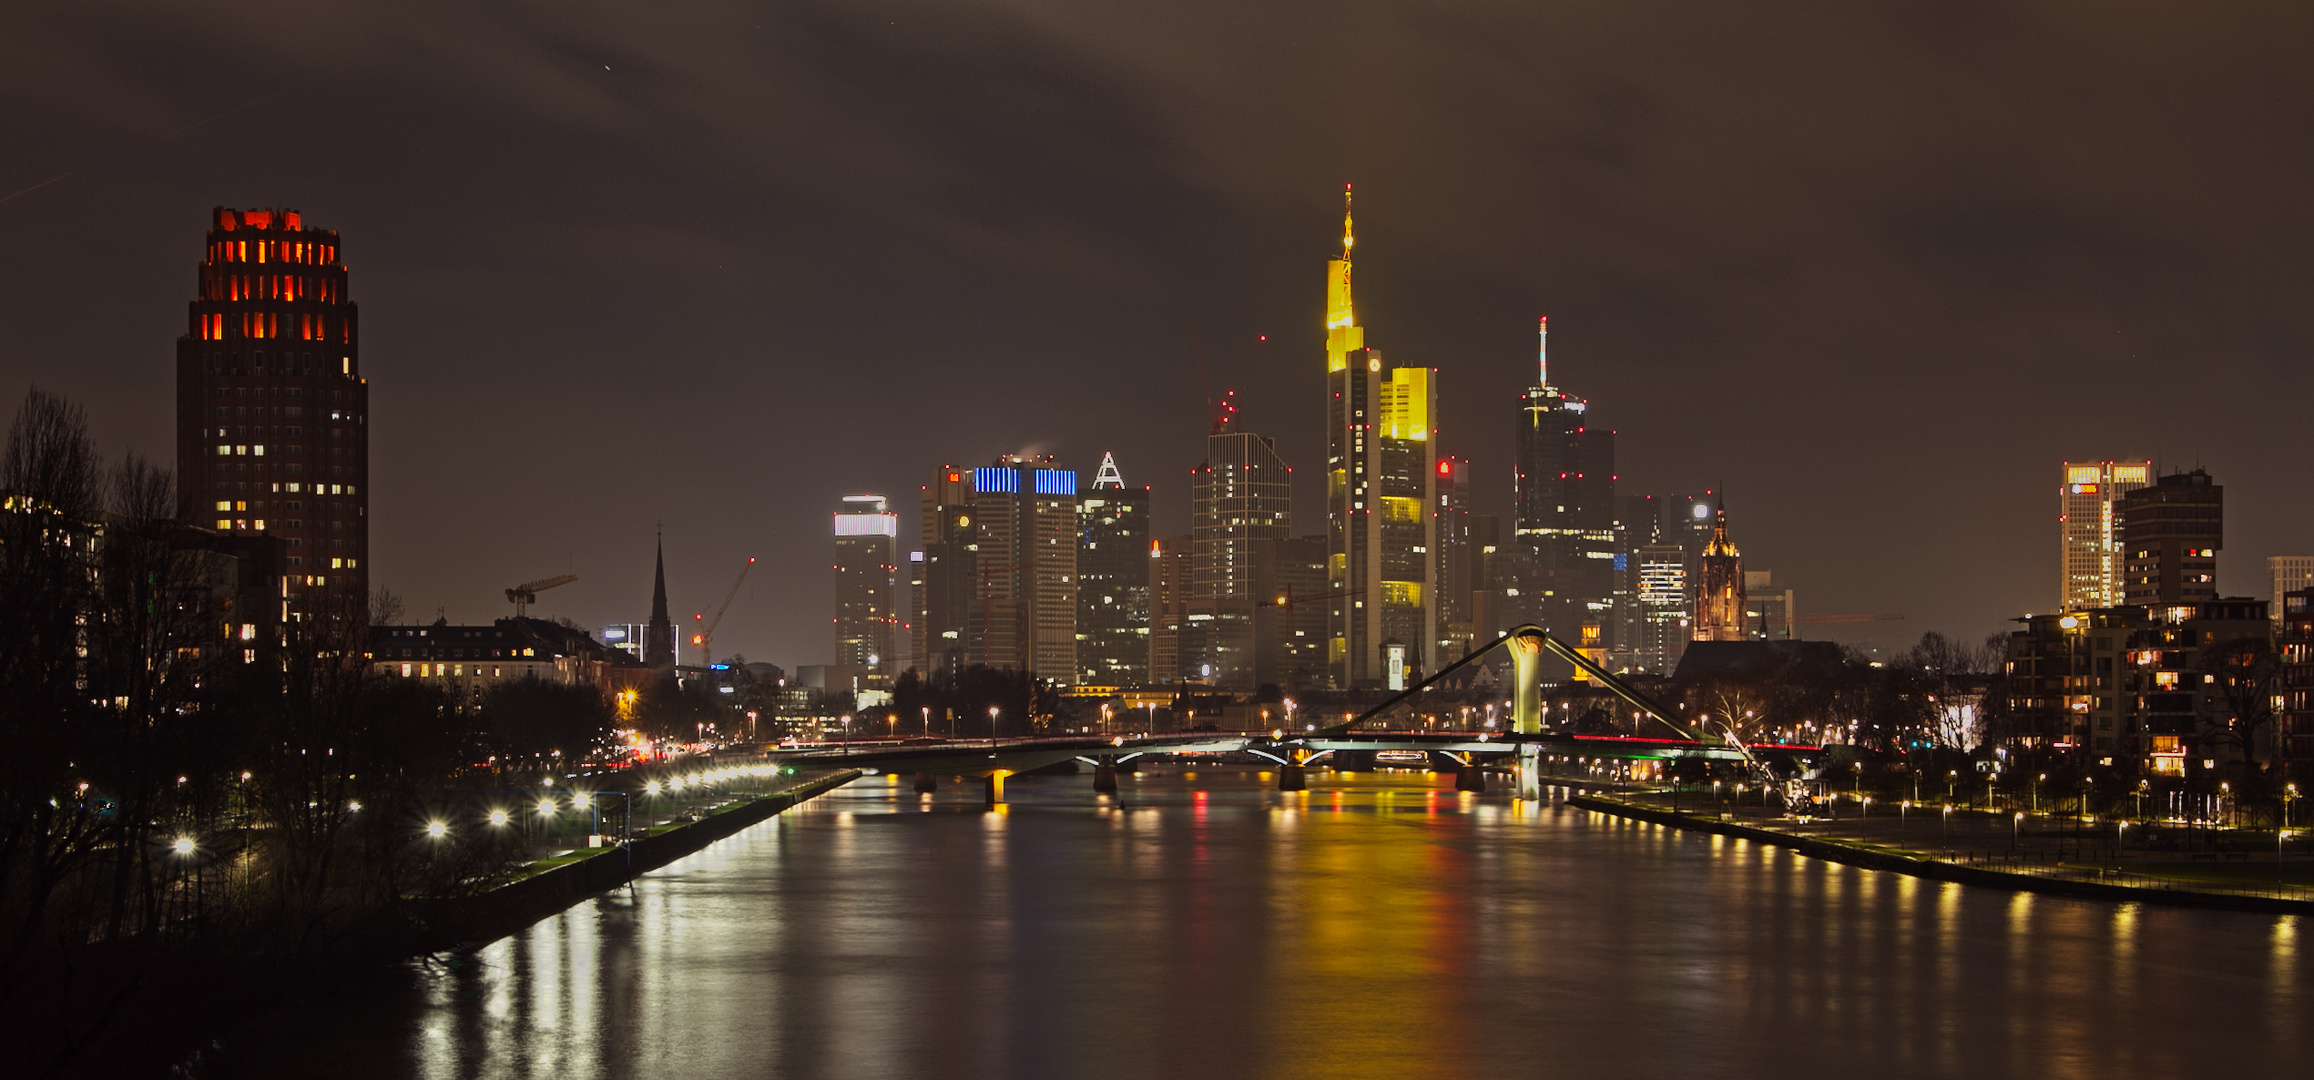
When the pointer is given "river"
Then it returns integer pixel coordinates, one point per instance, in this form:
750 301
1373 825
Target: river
1204 925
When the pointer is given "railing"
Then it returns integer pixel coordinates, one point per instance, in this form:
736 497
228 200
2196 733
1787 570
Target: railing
2039 864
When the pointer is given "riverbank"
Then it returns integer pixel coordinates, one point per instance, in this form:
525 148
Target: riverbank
2081 882
555 884
190 1000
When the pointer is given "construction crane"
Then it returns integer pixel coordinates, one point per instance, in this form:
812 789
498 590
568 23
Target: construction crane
526 594
704 636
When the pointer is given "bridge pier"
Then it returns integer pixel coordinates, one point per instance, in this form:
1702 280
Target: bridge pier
926 783
1293 778
1530 772
993 785
1470 778
1105 778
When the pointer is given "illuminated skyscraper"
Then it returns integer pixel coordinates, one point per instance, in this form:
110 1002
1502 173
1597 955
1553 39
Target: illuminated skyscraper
1241 499
1719 588
1023 540
1664 606
1112 581
2170 533
1566 506
272 410
1456 562
1381 486
866 567
2089 532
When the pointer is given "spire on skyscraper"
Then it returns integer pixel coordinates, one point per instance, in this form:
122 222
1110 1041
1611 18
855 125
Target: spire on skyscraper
1543 349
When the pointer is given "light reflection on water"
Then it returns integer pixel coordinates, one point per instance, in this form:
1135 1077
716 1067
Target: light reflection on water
1375 926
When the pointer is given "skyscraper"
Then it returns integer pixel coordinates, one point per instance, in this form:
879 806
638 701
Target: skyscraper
1719 588
1112 581
1168 607
1023 523
1241 499
659 633
272 409
1455 562
950 572
1566 505
1664 628
1381 481
2089 557
866 565
2171 531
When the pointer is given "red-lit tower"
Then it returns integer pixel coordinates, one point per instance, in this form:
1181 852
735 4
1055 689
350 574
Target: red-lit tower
272 409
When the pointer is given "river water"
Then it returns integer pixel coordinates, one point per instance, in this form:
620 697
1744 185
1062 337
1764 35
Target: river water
1204 925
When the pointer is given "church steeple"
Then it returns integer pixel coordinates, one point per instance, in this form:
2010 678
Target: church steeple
659 636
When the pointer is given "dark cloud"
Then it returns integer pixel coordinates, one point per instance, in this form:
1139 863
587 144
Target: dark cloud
1873 267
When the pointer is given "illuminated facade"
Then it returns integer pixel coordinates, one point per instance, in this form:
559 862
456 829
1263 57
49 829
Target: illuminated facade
1663 603
1022 540
867 567
1565 506
2090 557
2295 732
1241 499
2170 533
272 409
1112 581
1381 486
1719 588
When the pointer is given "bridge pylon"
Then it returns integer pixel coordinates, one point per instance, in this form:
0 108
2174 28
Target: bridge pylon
1105 776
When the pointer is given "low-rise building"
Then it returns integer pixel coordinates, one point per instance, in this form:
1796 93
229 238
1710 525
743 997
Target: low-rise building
468 660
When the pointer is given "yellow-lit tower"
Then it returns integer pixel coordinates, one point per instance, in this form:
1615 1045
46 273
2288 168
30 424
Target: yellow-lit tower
1381 491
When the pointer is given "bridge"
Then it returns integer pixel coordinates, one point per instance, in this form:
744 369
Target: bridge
1531 751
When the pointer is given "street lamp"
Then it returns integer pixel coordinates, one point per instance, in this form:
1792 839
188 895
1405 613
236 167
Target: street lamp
183 846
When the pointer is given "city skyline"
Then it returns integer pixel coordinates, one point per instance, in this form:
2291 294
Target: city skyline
489 340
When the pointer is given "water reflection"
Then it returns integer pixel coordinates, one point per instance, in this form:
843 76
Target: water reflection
1373 926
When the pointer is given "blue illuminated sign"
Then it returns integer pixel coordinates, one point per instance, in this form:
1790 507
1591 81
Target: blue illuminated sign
1622 561
994 479
1056 482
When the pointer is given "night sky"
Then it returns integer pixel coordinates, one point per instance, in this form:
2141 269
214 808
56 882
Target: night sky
1874 268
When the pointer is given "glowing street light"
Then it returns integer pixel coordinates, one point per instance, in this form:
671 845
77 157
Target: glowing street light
498 817
437 830
183 846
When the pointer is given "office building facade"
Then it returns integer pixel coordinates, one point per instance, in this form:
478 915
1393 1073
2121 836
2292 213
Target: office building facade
1023 541
2171 531
1566 507
273 409
1381 484
867 569
1112 581
1241 499
2088 525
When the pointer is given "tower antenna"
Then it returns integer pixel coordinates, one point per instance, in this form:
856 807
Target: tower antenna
1543 347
